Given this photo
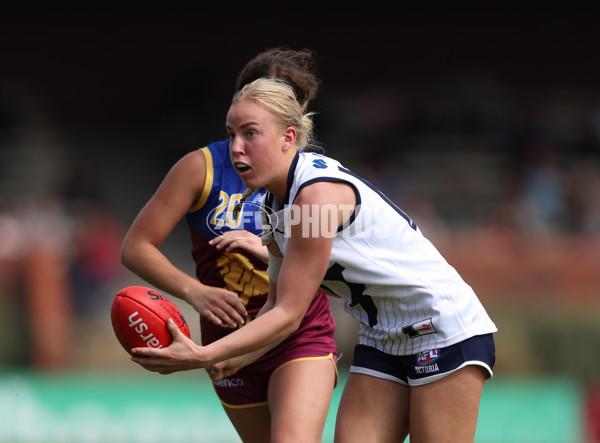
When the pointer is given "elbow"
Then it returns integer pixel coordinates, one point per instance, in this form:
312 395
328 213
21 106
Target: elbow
124 258
126 255
292 325
133 250
296 324
283 322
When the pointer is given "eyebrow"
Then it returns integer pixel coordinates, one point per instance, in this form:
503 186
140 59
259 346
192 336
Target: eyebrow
243 125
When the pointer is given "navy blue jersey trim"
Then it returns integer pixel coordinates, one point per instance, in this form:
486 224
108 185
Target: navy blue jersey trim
403 214
335 180
290 178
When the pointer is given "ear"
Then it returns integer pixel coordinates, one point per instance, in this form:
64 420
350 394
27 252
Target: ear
289 138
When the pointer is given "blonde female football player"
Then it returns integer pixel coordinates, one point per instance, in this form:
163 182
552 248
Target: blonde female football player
425 343
287 391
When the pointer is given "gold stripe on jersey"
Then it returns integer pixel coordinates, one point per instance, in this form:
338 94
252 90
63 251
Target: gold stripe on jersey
208 180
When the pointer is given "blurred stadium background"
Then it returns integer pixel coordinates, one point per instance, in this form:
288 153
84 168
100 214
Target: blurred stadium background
484 125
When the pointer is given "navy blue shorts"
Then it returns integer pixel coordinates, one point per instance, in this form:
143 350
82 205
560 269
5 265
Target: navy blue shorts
428 366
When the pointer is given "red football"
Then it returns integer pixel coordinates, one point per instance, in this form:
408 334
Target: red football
139 317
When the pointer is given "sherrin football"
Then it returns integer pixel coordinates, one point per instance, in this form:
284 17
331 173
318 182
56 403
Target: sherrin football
139 318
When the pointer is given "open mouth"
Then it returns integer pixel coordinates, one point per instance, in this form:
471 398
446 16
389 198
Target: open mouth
242 167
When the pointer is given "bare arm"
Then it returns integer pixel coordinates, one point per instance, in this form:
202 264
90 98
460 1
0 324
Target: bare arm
140 252
301 274
232 365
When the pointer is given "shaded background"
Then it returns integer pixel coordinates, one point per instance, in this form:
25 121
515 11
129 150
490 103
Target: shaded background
482 124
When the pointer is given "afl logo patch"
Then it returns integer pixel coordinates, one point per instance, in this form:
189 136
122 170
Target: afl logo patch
428 357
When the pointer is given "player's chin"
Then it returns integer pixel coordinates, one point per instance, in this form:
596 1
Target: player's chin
250 179
248 182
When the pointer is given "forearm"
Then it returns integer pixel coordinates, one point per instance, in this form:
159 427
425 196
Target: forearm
255 355
257 337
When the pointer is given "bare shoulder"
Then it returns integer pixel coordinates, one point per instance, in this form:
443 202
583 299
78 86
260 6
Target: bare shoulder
184 183
191 169
192 161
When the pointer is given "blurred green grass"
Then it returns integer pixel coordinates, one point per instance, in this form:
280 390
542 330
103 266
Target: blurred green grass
138 406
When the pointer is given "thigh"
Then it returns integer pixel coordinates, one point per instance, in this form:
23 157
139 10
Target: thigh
372 410
446 410
299 398
253 424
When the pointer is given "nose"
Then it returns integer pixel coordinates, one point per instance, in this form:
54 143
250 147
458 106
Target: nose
236 146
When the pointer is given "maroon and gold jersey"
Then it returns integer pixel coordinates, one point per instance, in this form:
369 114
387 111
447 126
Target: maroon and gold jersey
241 272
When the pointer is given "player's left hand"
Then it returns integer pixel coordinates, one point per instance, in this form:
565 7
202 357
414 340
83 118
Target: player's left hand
231 366
226 368
181 355
241 239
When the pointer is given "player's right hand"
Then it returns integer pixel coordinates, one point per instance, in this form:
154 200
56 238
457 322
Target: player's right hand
220 306
181 355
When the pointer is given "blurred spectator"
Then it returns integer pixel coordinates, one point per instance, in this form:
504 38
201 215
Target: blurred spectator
62 266
543 190
59 245
34 264
96 237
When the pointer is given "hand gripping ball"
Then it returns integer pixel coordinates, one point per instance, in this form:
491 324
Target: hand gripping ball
139 318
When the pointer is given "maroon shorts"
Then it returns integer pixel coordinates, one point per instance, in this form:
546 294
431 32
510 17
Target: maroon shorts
314 339
249 389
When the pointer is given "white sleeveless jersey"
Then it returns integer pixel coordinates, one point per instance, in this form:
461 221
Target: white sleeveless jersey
406 296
